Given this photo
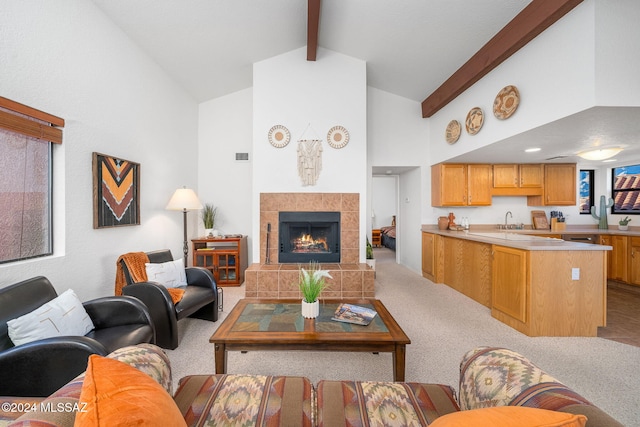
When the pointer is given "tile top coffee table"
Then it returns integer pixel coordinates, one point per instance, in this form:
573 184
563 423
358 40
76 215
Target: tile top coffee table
277 324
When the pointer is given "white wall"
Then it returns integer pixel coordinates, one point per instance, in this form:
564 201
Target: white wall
555 76
588 58
67 59
617 52
309 98
225 128
398 136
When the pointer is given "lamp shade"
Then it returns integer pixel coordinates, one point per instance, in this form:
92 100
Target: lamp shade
184 199
600 154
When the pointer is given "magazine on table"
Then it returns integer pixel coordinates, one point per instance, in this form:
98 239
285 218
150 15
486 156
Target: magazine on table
356 314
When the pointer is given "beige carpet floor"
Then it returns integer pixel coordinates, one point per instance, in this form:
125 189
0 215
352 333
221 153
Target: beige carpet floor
443 325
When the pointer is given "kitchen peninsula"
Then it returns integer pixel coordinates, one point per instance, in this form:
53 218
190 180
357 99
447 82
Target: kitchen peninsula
540 286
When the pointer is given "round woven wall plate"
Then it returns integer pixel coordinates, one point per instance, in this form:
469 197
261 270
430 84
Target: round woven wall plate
337 137
453 131
506 102
279 136
474 121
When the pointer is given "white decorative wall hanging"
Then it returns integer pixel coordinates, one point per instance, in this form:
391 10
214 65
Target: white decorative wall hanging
279 136
309 160
338 137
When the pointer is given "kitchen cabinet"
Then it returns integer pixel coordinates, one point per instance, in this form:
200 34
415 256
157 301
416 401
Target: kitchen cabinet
468 268
432 259
534 291
461 185
517 176
634 261
559 186
619 257
510 282
429 256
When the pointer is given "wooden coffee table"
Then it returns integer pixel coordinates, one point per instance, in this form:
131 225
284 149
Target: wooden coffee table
276 324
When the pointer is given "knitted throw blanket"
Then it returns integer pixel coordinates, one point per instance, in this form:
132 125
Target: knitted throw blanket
135 262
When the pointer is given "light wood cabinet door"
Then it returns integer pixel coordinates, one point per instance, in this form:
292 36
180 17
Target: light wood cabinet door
449 185
618 267
518 176
531 176
510 282
560 185
634 261
505 176
428 256
479 185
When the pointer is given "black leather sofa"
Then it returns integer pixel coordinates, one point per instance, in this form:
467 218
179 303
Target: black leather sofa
41 367
200 299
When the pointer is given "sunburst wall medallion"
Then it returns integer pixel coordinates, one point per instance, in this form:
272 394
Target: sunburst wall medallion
279 136
337 137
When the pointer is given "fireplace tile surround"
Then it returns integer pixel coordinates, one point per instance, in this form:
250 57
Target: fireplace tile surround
351 279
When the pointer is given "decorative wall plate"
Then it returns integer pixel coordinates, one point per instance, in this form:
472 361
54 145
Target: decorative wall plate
453 131
475 119
506 102
338 137
279 136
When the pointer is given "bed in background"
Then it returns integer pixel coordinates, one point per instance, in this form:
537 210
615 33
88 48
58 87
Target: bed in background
388 235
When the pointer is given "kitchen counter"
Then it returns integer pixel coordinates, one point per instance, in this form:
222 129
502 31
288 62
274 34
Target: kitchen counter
540 286
523 239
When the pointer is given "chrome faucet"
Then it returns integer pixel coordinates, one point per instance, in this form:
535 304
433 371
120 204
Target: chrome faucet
506 220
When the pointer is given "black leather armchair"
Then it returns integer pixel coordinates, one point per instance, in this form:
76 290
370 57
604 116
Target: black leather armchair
200 299
41 367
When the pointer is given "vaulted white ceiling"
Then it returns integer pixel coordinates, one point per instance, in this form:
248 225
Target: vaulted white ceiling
411 47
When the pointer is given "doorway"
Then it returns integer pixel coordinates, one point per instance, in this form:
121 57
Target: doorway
385 214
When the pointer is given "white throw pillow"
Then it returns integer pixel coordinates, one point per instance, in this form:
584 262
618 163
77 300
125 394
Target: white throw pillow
169 274
63 315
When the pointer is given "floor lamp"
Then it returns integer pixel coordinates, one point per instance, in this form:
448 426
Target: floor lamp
184 199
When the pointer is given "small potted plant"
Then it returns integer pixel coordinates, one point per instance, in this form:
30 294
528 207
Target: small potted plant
623 224
369 254
209 213
311 283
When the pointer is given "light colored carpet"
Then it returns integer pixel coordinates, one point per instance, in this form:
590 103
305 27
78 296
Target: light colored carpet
442 325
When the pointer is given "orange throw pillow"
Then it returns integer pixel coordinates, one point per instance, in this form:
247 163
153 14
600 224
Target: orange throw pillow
116 394
510 416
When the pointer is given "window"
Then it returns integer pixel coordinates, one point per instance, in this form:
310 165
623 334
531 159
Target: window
26 137
625 191
586 191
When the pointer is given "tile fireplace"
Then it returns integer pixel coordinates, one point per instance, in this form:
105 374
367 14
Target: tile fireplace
273 278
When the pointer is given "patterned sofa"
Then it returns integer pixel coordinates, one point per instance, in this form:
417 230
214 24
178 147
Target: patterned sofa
490 378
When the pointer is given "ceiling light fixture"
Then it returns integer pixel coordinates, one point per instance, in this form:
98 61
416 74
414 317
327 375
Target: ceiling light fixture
532 150
600 153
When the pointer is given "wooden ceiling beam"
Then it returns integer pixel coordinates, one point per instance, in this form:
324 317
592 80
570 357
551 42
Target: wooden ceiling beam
313 24
531 21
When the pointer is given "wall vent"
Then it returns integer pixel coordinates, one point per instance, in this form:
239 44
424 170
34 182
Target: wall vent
242 157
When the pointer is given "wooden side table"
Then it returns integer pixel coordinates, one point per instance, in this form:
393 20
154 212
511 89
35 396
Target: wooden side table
225 257
376 239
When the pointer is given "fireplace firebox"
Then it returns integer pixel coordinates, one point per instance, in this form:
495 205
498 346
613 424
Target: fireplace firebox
309 236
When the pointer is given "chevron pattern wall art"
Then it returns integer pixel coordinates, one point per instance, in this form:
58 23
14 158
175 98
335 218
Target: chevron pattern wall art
116 192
